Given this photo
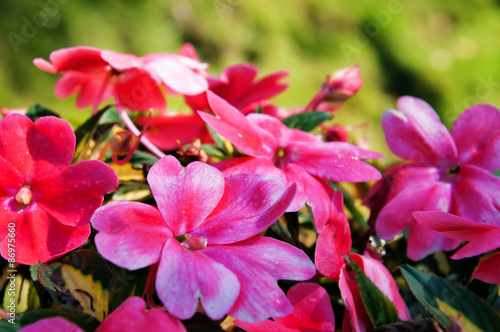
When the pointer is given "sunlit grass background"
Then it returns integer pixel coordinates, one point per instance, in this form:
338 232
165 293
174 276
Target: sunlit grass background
446 53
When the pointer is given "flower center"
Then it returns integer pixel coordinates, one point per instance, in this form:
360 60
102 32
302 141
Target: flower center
24 196
193 242
281 158
450 174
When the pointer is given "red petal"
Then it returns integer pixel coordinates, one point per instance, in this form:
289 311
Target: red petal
488 269
132 235
77 58
53 324
136 90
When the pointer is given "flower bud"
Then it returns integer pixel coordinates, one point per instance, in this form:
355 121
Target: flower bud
342 84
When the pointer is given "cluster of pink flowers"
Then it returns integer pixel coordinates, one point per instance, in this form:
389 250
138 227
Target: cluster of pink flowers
203 236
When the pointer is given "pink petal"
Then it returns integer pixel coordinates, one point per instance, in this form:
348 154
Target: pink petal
265 325
312 309
489 241
53 324
333 242
131 234
70 83
334 161
423 241
262 166
120 61
383 279
185 197
417 134
258 263
424 196
355 315
77 58
250 204
188 50
176 75
488 269
132 315
13 143
137 90
39 237
44 65
91 89
477 135
185 276
72 195
236 128
238 79
266 88
168 131
477 195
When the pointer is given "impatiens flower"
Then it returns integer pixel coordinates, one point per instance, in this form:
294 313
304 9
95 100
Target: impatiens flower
312 311
202 236
131 315
356 317
292 155
482 238
97 75
449 172
46 204
237 85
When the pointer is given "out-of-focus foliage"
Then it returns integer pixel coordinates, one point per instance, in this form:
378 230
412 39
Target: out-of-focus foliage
443 52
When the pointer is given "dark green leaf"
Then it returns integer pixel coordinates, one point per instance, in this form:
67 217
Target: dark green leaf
306 121
414 325
449 302
37 111
494 297
86 322
126 284
85 132
140 157
497 173
380 309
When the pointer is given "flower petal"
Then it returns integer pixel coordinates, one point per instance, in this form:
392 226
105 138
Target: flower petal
137 90
417 134
132 315
477 135
78 58
423 241
72 195
258 263
185 276
131 235
13 143
91 90
236 128
355 315
334 161
477 195
10 180
39 237
265 325
250 204
53 324
185 198
69 83
488 270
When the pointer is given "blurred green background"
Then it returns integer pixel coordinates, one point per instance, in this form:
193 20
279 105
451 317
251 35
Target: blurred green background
445 53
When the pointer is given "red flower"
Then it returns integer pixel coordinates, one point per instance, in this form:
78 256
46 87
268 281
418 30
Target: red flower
45 203
131 315
97 75
312 311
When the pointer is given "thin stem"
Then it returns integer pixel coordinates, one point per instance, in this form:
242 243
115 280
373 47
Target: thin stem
315 101
134 130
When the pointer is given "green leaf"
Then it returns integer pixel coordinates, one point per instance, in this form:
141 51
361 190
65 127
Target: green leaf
351 207
79 281
306 121
494 297
449 302
20 293
37 111
85 132
126 284
85 321
213 151
380 309
497 173
140 157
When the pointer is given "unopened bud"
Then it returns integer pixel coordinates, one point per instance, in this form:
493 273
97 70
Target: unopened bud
194 152
342 84
122 141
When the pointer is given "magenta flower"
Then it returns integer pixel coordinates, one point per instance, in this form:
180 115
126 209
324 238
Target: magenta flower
291 155
97 75
312 311
131 315
482 238
202 235
356 318
446 172
45 203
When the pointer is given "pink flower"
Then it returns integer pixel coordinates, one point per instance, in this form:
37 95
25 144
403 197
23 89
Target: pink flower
131 315
237 84
356 318
97 75
291 155
445 172
482 238
45 203
202 235
312 311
